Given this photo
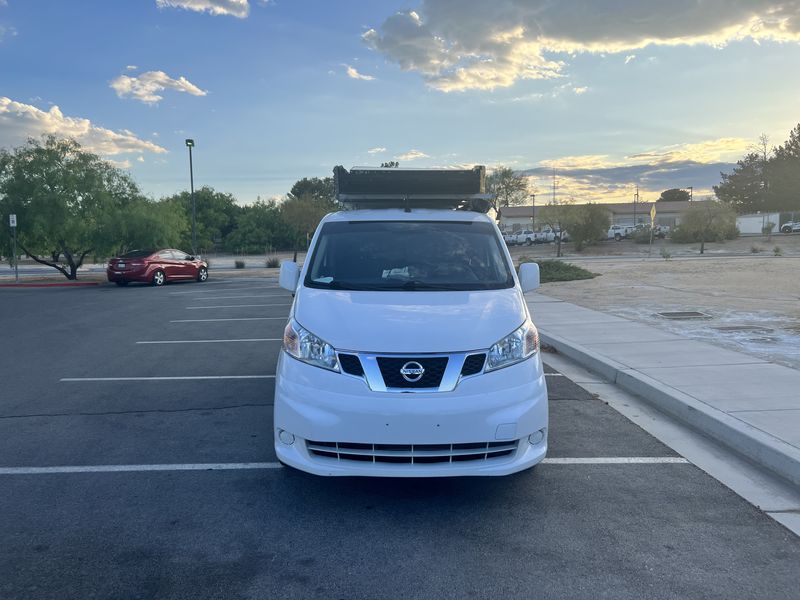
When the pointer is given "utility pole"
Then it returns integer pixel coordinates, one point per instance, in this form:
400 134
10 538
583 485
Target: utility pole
635 201
533 209
190 145
691 193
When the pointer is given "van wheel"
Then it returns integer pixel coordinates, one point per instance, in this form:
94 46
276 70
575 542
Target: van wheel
159 278
529 242
618 237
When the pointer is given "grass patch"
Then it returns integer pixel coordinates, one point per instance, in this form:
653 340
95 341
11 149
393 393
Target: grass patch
239 264
558 270
273 262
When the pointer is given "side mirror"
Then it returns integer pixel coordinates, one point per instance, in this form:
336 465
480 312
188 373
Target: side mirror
290 275
528 277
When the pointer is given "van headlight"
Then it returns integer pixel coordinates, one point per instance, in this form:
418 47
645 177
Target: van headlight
514 348
304 345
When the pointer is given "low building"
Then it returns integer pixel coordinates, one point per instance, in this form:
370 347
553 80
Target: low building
514 218
756 223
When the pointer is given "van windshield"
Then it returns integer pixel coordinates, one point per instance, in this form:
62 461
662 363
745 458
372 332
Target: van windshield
408 256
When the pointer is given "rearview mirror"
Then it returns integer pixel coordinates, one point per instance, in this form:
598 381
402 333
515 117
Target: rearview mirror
289 275
528 277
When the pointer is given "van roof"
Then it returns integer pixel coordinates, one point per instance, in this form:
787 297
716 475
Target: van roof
415 214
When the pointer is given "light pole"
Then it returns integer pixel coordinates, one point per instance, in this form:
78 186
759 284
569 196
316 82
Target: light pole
533 210
190 145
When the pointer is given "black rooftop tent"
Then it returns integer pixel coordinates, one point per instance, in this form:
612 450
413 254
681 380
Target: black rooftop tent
365 187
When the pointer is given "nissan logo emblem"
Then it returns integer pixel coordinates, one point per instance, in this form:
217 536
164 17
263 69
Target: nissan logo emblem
412 371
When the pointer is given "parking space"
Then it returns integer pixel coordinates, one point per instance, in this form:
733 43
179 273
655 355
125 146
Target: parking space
102 384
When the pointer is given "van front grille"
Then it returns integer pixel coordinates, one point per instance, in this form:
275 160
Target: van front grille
412 453
391 366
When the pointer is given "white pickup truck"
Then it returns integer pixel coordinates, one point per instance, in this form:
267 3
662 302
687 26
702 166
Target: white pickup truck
618 232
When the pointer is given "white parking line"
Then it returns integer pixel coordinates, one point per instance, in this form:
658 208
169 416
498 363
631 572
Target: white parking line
181 378
233 319
245 296
618 460
236 289
276 465
210 341
554 374
137 468
233 306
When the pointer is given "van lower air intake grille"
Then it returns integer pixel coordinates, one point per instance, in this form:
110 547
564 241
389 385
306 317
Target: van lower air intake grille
412 453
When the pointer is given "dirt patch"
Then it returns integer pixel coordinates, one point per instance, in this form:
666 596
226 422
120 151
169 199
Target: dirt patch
745 296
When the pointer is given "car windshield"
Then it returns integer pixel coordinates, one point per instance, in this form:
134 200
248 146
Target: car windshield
408 256
137 254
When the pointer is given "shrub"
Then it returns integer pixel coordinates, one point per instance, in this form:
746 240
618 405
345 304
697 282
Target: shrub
777 251
641 236
273 262
665 254
558 270
239 264
756 249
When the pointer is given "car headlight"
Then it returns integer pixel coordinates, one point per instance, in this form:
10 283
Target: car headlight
514 348
304 345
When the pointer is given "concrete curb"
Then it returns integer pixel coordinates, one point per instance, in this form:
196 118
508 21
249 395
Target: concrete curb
744 439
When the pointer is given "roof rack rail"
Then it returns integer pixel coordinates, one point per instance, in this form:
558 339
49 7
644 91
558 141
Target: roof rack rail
367 187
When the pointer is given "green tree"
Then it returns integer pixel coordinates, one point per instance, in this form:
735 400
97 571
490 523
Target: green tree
62 196
556 215
586 224
743 189
320 189
674 194
215 217
706 222
144 224
260 227
506 187
302 214
783 174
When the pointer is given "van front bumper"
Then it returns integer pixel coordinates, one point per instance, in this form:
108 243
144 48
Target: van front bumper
329 423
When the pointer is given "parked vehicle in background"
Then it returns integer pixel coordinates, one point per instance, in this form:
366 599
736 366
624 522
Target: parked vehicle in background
661 231
525 236
548 234
156 267
508 238
618 232
791 227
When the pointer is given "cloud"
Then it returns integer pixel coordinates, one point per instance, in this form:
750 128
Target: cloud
20 121
473 44
603 178
411 155
234 8
629 58
146 87
131 68
6 32
580 90
376 150
354 74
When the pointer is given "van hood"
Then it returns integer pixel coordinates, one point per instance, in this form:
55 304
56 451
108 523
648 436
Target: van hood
410 322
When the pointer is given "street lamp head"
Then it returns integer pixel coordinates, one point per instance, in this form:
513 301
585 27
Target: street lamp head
190 143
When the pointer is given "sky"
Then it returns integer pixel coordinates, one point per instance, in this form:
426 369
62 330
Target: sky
610 94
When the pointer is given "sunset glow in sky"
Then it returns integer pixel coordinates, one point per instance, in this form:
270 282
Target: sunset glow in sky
660 94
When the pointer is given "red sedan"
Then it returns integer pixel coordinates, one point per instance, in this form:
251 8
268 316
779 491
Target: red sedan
156 267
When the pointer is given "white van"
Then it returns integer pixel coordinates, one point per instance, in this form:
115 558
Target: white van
409 350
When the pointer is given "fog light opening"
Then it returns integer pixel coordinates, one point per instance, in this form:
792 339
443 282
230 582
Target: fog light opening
536 437
285 437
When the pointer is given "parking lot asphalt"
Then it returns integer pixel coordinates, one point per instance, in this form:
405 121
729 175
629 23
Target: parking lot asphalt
100 384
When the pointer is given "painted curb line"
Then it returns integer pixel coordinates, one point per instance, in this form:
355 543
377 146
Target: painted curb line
750 442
